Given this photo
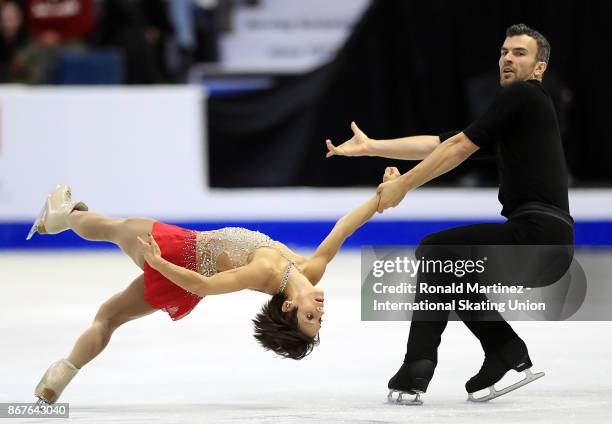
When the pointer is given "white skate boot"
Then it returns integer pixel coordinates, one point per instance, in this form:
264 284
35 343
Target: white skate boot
55 380
53 217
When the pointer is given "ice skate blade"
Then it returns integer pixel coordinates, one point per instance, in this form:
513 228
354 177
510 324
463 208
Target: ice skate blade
409 402
33 230
493 393
41 401
38 221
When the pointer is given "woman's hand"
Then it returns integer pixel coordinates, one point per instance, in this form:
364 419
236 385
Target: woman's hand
358 145
150 250
391 173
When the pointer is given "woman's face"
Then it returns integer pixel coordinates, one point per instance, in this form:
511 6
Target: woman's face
310 311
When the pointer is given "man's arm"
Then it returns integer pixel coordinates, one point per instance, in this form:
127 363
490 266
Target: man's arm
405 148
503 112
444 158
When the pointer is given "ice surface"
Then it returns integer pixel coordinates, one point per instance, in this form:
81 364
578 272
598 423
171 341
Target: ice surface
207 367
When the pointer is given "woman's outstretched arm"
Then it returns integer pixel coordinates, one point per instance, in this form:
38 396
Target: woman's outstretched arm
343 229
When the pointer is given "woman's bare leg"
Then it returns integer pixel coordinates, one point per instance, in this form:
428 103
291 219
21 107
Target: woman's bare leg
119 309
121 231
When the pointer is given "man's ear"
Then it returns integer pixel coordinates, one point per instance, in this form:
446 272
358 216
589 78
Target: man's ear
539 69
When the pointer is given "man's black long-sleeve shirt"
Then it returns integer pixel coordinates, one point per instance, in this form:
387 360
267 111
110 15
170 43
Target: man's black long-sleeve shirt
521 126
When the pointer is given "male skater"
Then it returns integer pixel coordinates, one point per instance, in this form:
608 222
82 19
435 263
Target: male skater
522 128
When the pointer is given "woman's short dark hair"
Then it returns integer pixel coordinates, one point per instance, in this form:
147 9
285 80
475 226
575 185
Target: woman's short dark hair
278 331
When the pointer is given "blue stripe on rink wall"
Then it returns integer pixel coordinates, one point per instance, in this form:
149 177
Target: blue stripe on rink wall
300 233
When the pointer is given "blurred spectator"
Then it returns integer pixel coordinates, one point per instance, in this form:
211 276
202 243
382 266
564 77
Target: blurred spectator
12 38
141 28
182 16
197 24
55 26
209 22
160 39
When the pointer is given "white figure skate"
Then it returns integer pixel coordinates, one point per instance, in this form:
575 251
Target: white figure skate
53 217
55 380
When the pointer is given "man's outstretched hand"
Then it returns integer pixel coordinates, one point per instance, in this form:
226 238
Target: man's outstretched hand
358 145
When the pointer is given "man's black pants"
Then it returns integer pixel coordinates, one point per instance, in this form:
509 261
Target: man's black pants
526 229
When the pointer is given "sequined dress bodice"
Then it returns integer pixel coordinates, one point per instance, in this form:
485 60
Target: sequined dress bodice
237 243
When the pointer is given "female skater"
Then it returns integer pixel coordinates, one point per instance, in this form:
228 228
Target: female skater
181 266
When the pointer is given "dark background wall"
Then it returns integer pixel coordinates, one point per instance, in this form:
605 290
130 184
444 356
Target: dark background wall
413 67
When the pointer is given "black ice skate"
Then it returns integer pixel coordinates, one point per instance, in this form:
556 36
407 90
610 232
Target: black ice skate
412 379
513 355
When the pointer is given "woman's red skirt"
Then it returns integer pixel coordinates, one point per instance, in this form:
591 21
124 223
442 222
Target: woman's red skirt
177 246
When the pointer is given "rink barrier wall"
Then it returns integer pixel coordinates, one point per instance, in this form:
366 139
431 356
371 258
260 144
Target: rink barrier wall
306 234
71 144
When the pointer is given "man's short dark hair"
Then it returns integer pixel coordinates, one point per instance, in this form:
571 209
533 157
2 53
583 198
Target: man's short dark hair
543 53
